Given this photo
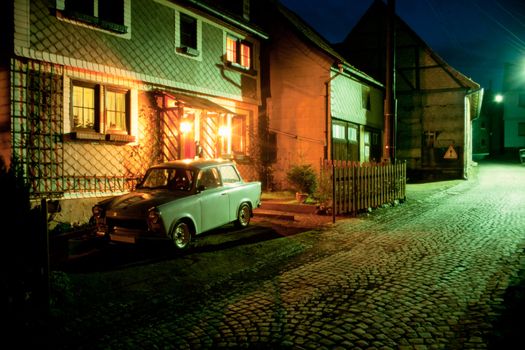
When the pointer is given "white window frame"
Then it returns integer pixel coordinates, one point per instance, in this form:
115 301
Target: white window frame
239 41
193 53
60 7
102 132
352 133
338 132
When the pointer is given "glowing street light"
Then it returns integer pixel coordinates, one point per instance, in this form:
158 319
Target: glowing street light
498 98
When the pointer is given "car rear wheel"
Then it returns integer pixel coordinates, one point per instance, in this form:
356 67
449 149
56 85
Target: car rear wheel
243 216
181 235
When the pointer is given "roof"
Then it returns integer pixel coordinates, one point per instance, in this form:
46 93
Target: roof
221 12
311 35
193 101
379 8
472 89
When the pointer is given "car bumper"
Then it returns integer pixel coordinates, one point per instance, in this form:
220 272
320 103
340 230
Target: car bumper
126 235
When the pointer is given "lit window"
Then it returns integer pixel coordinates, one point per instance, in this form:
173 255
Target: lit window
231 49
352 134
116 120
338 131
246 55
87 116
238 134
238 52
83 107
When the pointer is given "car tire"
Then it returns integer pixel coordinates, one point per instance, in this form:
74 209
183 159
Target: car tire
244 215
181 235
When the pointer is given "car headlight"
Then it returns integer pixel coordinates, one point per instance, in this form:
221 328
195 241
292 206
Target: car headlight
154 220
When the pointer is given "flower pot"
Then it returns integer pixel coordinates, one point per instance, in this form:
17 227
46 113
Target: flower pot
301 197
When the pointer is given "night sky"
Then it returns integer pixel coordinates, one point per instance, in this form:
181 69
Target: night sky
476 37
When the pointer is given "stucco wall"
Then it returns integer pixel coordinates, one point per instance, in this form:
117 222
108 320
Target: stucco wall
297 112
420 115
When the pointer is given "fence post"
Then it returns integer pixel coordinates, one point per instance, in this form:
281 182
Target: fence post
45 265
333 191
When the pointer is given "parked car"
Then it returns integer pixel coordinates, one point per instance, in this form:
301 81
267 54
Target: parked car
178 200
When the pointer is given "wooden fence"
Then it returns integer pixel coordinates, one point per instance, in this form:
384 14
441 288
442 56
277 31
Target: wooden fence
359 186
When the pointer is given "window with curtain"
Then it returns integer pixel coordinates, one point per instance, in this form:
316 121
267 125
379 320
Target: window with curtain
86 100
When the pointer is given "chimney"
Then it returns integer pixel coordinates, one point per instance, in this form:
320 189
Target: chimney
246 9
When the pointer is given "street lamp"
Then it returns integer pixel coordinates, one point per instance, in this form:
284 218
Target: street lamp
498 98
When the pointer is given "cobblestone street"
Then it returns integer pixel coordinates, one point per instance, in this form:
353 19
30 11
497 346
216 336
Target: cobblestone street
427 274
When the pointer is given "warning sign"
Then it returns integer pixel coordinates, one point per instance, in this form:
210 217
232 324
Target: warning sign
451 153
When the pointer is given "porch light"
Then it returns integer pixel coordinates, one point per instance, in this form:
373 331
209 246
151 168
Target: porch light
224 131
185 127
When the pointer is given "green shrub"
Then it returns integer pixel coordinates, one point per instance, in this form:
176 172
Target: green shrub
303 178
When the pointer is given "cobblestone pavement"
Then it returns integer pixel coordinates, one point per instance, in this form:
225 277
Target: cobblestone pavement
428 274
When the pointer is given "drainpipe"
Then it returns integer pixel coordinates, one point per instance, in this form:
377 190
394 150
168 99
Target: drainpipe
390 120
329 137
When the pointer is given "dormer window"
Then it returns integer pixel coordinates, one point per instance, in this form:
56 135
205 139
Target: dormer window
238 52
188 35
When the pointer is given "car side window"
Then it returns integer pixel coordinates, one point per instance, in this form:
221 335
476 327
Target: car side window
229 175
209 178
181 180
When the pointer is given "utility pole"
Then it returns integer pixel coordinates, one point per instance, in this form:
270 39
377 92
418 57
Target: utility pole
389 133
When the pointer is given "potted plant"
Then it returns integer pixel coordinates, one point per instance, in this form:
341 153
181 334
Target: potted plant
304 181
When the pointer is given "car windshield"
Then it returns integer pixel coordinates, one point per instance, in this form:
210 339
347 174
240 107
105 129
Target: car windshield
175 179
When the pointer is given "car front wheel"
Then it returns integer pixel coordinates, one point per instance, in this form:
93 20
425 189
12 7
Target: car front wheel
244 215
181 235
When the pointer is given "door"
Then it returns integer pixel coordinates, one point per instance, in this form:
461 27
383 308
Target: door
214 200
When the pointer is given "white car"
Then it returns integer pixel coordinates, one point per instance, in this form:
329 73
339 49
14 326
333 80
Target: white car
178 200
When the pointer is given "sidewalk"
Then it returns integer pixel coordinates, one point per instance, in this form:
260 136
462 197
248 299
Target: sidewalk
286 210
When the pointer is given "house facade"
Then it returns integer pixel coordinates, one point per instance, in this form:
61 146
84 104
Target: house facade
487 130
318 106
435 103
513 107
93 94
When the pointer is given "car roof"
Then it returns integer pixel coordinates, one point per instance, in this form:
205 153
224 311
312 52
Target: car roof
199 163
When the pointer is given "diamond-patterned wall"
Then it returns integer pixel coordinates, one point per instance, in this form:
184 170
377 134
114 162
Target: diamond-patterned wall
150 51
36 124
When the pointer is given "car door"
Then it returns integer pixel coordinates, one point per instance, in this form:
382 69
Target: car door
214 199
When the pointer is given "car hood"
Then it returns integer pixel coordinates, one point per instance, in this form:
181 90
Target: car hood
136 204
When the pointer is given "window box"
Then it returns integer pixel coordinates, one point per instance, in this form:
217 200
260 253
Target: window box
190 51
87 135
237 67
81 17
120 138
114 27
103 14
